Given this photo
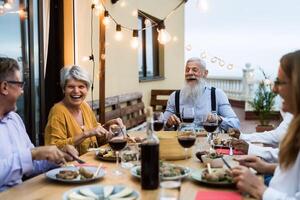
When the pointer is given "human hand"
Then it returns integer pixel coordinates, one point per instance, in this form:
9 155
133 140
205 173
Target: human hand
234 132
99 131
71 152
248 182
240 145
173 120
254 162
50 153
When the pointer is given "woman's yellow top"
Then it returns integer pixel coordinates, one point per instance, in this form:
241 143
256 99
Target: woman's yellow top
62 127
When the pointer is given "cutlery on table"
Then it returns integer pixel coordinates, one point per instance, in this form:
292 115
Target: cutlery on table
226 163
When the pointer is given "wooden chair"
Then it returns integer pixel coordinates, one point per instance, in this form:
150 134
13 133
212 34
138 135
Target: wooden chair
159 99
129 107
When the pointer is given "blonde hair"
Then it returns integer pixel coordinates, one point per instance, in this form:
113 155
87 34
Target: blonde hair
290 145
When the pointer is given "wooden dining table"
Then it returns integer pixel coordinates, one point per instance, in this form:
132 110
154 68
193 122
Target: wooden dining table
40 187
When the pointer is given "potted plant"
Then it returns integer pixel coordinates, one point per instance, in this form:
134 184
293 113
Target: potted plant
263 103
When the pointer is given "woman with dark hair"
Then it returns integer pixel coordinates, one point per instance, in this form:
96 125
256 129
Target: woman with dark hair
72 121
287 85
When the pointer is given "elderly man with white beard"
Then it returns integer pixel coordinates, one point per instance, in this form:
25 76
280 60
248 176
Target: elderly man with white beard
203 98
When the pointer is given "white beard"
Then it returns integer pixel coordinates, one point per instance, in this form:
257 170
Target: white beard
193 92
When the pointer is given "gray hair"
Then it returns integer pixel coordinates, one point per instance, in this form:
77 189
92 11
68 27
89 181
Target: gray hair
74 72
200 63
8 66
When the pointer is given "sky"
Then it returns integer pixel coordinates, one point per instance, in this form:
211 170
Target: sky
258 32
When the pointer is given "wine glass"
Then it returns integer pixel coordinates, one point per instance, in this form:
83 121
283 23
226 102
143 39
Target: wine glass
158 121
117 142
187 114
210 124
186 136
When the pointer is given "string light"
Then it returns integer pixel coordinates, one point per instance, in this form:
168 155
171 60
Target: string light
215 59
163 35
106 19
2 10
134 40
118 34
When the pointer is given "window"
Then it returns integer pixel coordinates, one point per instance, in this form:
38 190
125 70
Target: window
149 50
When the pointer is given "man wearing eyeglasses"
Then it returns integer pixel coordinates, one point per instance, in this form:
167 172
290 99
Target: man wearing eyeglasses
18 156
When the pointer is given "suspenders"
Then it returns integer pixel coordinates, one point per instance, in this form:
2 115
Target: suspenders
212 97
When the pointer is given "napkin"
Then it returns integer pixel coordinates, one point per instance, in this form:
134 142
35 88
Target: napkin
226 151
217 195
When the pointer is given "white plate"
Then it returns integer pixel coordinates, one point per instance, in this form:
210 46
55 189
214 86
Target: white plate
98 190
52 174
197 175
186 170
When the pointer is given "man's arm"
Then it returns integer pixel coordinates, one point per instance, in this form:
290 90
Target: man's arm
267 153
229 118
270 137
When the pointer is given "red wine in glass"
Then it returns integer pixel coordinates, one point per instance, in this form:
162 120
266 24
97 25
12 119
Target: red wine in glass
210 127
186 142
188 120
158 125
117 144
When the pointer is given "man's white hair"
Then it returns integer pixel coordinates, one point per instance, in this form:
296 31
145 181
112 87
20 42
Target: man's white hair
200 63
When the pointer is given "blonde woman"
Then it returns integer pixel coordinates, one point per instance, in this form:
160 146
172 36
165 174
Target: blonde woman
72 121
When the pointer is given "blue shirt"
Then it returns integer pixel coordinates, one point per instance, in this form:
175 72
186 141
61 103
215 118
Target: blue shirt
203 106
15 153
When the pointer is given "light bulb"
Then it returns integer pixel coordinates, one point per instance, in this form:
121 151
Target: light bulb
118 34
98 9
106 19
188 47
202 5
123 3
163 36
175 39
2 10
85 58
95 1
134 13
134 42
7 6
147 22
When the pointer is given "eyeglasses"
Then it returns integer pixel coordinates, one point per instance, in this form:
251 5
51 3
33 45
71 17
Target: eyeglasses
19 83
278 82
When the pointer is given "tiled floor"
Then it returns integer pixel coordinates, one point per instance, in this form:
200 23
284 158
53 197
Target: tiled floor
248 126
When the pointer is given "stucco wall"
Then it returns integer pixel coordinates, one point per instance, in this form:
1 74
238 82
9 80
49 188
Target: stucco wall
121 59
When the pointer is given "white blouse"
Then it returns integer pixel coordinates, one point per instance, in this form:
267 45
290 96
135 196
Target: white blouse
285 184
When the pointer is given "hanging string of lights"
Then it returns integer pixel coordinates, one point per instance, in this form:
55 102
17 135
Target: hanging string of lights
163 36
216 60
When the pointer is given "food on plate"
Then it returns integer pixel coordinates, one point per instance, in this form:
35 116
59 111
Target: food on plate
88 192
108 192
211 157
76 196
167 170
85 173
217 175
73 174
67 174
126 191
106 153
221 142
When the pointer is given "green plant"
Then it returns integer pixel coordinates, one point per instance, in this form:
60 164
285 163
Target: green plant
263 101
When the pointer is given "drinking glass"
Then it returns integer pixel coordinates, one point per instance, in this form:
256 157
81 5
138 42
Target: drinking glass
187 114
117 142
158 121
130 156
186 136
170 190
210 124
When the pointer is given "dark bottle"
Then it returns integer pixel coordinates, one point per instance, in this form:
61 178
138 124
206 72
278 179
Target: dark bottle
150 156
